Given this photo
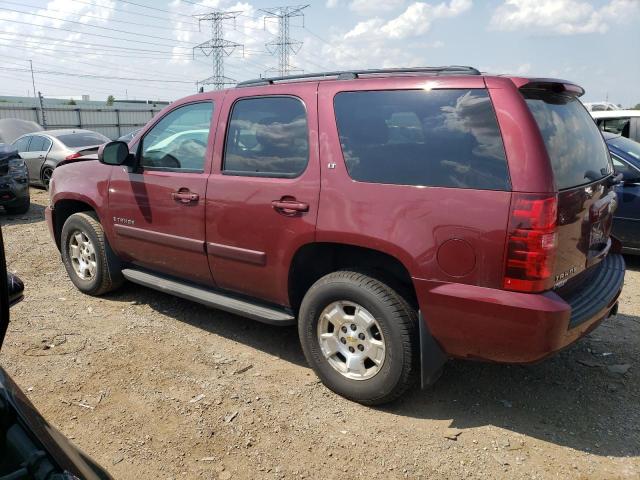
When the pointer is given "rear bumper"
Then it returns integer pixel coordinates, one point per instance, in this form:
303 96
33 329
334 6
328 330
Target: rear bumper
501 326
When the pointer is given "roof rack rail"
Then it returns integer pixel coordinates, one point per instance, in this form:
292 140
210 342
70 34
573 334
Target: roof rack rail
353 74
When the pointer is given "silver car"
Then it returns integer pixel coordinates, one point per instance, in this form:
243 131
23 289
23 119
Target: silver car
43 151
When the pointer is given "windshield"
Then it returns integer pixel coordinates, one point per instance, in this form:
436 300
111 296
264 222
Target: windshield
575 145
628 146
82 139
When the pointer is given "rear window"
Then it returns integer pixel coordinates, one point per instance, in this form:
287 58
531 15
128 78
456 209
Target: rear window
444 138
575 145
82 139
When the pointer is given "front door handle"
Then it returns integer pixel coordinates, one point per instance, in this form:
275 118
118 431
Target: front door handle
184 195
290 207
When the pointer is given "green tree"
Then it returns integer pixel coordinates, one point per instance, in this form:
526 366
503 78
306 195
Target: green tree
637 107
71 102
110 100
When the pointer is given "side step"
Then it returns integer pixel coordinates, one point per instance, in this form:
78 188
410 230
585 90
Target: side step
210 298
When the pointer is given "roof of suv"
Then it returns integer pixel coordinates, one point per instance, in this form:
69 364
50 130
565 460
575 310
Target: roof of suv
616 114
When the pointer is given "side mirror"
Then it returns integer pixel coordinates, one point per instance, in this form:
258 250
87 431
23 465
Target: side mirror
115 153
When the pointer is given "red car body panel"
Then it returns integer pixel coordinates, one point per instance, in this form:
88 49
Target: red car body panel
451 241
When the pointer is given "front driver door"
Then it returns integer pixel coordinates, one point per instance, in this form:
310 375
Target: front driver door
158 211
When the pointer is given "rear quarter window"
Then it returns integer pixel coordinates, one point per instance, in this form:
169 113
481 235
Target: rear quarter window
575 146
444 138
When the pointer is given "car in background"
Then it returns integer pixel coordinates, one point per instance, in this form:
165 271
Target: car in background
129 136
622 122
600 106
30 448
44 151
625 155
14 182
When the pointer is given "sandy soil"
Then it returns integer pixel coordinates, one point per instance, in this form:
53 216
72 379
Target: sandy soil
152 386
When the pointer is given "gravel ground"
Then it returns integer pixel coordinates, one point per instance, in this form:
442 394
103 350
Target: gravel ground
153 386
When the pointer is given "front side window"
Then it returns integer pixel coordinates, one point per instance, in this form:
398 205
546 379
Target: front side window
628 172
22 144
443 138
179 141
267 137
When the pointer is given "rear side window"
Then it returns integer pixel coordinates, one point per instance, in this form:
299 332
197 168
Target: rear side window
267 137
575 145
444 138
82 139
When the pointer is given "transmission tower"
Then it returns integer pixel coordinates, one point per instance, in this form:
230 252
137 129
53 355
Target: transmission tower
217 47
284 46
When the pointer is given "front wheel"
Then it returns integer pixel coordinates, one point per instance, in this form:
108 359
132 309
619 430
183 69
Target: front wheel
90 263
359 336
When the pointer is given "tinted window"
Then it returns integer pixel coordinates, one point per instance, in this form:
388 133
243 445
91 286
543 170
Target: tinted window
39 144
575 146
616 125
179 141
446 138
22 144
82 139
628 172
267 137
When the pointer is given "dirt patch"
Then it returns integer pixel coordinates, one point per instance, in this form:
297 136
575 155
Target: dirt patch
152 386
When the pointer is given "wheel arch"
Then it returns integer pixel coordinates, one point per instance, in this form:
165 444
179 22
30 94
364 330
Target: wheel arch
314 260
64 208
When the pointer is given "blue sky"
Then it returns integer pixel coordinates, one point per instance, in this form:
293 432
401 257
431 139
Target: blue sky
143 48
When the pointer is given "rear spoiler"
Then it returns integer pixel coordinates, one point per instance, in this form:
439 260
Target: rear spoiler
549 84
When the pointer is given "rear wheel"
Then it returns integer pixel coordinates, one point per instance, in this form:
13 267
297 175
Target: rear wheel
19 209
45 176
360 337
90 263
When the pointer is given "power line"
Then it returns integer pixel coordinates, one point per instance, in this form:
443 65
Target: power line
129 12
284 46
103 77
92 34
49 17
217 47
138 24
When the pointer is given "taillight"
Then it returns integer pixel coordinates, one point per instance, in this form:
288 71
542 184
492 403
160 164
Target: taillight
73 156
531 242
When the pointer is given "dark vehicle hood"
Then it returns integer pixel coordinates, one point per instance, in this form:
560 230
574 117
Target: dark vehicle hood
67 457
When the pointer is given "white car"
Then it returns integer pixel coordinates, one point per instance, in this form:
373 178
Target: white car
622 122
601 106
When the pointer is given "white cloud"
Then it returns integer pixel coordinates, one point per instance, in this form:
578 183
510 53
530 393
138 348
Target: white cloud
564 17
368 7
332 3
415 20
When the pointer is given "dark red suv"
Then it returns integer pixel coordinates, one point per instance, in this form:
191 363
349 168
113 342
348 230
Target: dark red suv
398 217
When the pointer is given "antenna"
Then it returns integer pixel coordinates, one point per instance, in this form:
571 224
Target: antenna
285 46
217 47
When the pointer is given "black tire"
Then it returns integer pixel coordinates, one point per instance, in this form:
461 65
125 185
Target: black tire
398 325
45 176
19 209
108 275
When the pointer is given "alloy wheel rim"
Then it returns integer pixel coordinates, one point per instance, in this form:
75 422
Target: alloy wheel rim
83 255
351 340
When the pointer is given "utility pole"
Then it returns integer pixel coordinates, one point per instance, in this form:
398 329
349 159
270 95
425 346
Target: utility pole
44 117
33 82
285 46
217 47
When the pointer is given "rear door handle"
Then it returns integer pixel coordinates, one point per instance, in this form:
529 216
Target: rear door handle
290 207
184 195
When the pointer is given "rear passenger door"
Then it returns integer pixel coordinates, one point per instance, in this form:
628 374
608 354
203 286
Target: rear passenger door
262 198
36 155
